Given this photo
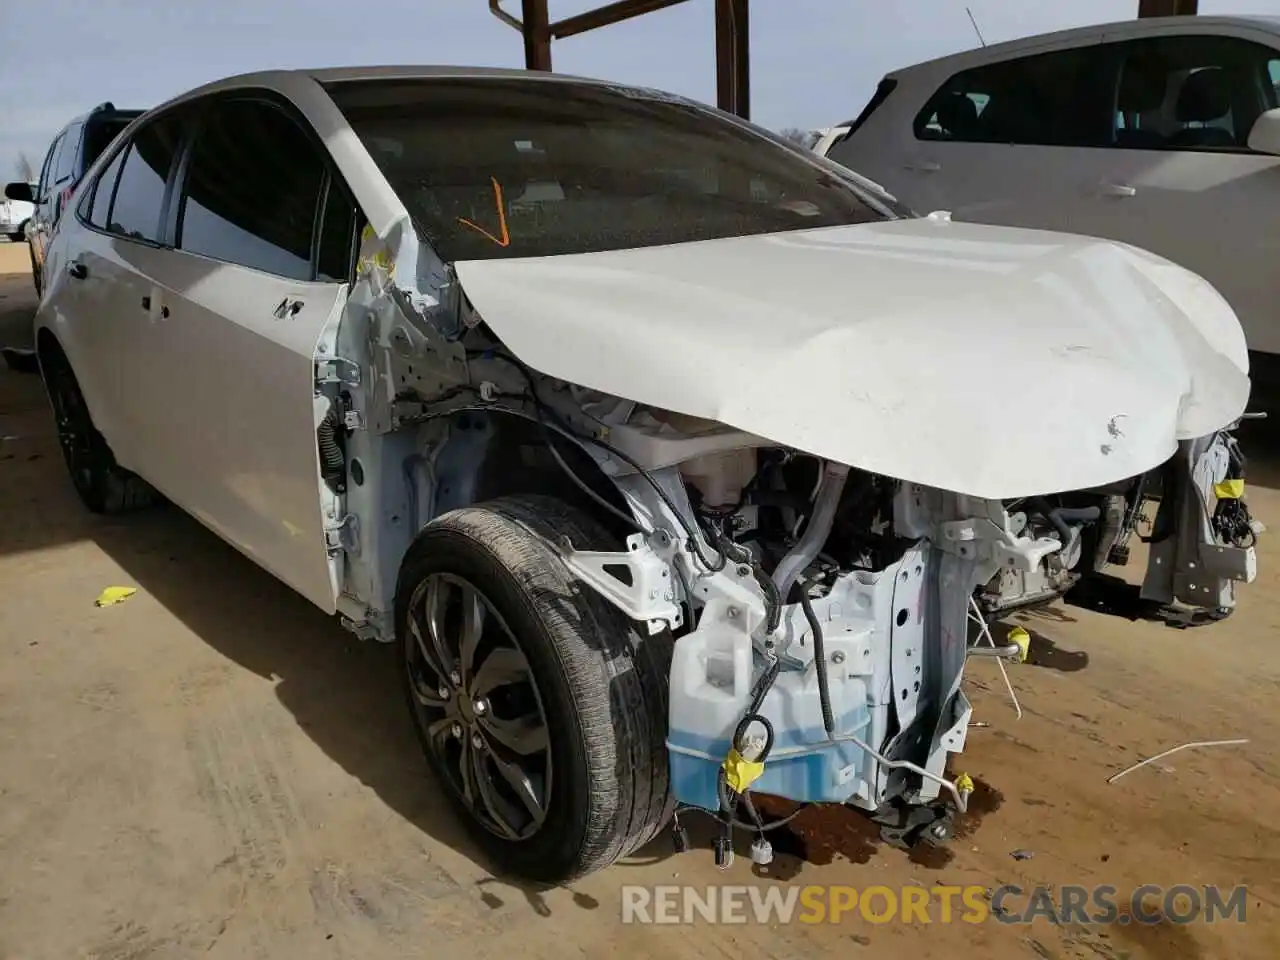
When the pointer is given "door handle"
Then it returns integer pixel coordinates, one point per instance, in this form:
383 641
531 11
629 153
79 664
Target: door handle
1118 190
146 305
287 308
77 270
923 166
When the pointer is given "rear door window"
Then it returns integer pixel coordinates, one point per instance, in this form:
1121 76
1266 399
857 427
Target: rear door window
1198 92
252 189
103 190
64 166
46 171
98 136
335 252
138 203
1050 99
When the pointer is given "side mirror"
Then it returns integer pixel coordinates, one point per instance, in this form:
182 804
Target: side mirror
22 191
1265 135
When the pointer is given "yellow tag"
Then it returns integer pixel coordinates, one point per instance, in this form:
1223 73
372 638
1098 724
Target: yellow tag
1229 489
380 258
740 773
964 783
1020 636
113 595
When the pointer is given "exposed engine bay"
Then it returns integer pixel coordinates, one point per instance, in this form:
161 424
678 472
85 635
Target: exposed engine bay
823 614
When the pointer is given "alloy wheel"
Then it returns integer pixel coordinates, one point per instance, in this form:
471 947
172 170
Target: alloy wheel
478 706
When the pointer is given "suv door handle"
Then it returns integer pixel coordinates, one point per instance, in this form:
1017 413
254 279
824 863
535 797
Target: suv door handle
1118 190
287 308
77 270
923 166
146 305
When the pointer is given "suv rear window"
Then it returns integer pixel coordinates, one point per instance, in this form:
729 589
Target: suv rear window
101 131
1055 99
516 168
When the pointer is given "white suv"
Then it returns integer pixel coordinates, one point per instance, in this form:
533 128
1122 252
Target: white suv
675 460
1162 133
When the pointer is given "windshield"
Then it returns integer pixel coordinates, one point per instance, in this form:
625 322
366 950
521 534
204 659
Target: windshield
522 168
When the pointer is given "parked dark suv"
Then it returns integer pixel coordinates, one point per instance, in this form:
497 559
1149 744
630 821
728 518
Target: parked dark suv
72 152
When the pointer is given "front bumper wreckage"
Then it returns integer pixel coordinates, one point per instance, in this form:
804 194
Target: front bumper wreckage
889 646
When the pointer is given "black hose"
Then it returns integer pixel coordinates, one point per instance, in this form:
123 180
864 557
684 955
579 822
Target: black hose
819 659
733 821
741 554
1041 506
549 437
1077 514
333 464
545 413
1060 516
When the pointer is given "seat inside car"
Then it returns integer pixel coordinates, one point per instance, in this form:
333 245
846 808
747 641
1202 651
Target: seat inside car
1205 97
1143 83
958 116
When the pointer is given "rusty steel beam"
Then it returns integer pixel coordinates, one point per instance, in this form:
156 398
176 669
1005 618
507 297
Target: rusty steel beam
1167 8
733 58
536 27
607 16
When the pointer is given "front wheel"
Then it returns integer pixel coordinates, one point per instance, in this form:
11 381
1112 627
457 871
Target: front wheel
540 707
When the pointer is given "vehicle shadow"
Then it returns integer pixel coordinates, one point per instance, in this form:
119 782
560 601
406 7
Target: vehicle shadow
38 505
343 692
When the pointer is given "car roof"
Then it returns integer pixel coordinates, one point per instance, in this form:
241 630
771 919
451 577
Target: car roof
1116 30
106 108
328 75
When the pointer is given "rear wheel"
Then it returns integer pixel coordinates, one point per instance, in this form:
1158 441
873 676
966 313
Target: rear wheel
35 271
102 484
539 705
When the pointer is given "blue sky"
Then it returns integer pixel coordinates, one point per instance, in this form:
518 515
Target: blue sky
814 62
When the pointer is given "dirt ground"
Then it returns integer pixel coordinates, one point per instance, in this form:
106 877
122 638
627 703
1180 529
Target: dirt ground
215 768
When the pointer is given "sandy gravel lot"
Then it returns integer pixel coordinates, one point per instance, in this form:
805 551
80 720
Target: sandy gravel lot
213 768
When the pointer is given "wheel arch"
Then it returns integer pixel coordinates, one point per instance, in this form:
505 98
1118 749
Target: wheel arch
490 454
49 348
459 460
54 345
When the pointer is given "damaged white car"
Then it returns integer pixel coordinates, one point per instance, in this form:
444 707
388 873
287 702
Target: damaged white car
675 459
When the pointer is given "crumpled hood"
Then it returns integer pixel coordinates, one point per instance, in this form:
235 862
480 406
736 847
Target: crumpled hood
989 361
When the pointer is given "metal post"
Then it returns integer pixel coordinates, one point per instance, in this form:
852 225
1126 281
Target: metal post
1167 8
733 64
733 58
537 35
606 16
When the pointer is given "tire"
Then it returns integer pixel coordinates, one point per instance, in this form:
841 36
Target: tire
17 237
35 270
104 486
599 687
